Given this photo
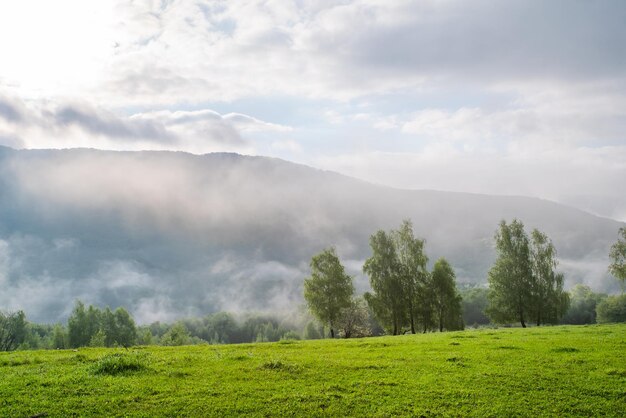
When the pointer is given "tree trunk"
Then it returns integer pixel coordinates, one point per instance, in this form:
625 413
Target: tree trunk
441 320
521 319
538 319
332 333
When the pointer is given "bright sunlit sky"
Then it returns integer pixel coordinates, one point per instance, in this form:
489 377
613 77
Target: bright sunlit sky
499 97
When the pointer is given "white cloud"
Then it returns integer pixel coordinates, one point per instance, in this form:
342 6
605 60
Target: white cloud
38 124
188 51
490 91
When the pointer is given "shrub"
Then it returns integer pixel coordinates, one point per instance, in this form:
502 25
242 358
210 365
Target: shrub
120 363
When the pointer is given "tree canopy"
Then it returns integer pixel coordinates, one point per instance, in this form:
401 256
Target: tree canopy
446 299
404 293
329 289
522 282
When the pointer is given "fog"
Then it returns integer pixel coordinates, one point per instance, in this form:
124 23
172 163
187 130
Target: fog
170 234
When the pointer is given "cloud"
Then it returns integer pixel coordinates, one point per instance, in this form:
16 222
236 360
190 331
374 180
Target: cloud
40 124
188 51
10 111
111 126
247 123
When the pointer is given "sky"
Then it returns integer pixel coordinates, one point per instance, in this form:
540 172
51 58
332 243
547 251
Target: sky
509 98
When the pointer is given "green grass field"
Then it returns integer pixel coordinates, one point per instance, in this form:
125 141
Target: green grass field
551 371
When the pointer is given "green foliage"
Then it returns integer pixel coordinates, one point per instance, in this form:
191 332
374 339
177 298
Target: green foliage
522 282
98 339
474 303
446 301
582 308
354 320
12 330
290 335
612 309
125 329
60 338
78 326
618 257
176 335
398 279
311 331
329 288
555 371
510 278
89 326
383 268
414 278
403 291
549 301
145 337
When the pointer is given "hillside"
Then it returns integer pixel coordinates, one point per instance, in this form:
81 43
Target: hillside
550 371
168 234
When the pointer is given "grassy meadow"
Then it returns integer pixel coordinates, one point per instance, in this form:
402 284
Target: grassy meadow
548 371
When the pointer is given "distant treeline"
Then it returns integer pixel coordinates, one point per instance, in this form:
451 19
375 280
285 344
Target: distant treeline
92 326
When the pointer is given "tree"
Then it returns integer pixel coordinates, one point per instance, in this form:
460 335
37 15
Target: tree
108 326
414 277
522 281
618 257
176 335
126 331
12 330
446 300
59 337
77 326
582 308
401 287
329 289
549 301
354 320
510 278
388 300
612 309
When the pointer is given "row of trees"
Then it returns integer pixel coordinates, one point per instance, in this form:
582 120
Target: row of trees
96 327
524 286
100 328
405 295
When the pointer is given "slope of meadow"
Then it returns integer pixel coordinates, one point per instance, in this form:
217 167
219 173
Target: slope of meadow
551 371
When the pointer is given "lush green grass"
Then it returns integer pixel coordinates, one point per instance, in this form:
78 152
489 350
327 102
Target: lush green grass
552 371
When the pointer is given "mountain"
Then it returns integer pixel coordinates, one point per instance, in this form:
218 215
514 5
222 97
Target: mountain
167 234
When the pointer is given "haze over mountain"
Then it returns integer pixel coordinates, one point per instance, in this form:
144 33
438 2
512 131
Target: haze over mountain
167 234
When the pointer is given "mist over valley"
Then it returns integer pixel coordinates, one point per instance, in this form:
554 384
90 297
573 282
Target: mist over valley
170 234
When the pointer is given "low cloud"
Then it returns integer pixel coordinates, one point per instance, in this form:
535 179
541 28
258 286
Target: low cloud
111 126
584 177
9 110
45 125
169 235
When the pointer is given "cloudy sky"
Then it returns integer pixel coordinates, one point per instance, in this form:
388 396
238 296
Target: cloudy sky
515 97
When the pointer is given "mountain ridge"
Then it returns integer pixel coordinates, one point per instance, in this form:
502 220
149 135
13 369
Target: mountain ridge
171 233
